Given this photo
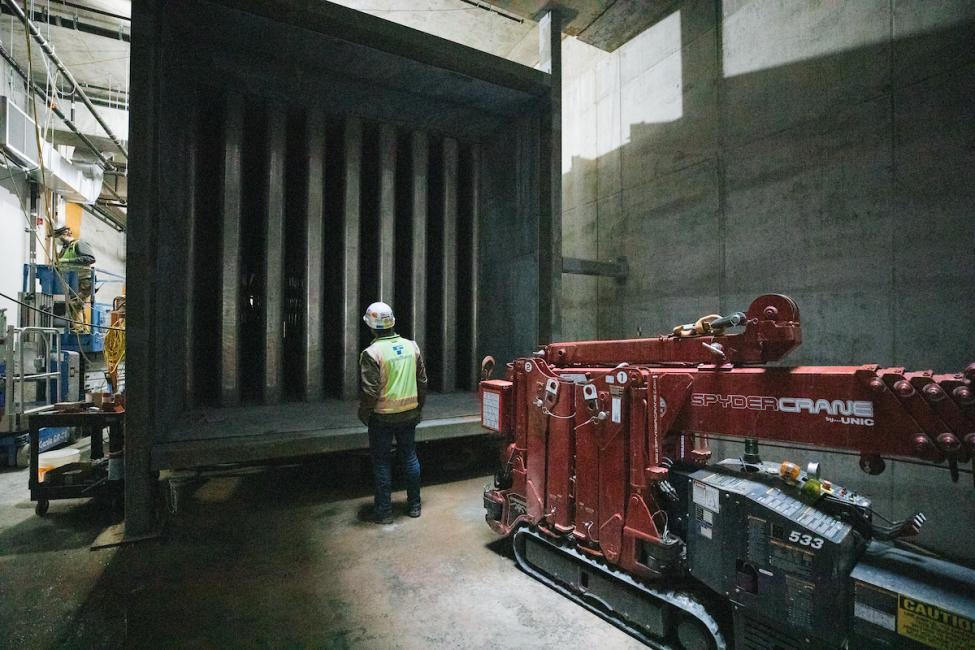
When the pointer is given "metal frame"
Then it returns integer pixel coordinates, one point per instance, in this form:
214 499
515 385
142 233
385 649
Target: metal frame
14 374
95 423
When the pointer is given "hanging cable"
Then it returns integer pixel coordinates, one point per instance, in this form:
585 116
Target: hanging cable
64 318
115 347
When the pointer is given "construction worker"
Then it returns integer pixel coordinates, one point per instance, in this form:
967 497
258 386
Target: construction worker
393 382
77 256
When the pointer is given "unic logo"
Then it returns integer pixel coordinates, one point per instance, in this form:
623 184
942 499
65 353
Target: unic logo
841 411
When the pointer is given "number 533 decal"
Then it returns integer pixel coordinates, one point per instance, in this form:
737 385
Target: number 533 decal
806 540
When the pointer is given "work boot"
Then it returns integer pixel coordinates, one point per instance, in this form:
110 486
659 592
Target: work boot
414 511
385 519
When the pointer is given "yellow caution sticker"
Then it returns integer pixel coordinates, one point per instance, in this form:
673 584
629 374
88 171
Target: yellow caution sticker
933 626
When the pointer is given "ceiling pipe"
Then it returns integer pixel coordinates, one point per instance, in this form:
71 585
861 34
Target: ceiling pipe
93 10
67 73
104 216
72 22
57 111
118 197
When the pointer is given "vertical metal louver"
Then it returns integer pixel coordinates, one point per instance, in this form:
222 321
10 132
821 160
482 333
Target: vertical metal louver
314 218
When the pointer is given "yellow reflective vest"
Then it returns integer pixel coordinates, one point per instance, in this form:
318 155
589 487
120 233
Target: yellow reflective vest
396 358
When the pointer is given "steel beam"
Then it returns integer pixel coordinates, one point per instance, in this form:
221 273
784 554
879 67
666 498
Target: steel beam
350 264
448 323
576 266
233 132
314 259
475 181
387 213
550 183
420 156
274 258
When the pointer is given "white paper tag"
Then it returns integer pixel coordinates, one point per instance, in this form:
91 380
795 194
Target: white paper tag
706 530
490 410
617 416
573 377
706 496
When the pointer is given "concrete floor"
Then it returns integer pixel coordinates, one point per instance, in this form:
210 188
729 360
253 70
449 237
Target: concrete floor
283 557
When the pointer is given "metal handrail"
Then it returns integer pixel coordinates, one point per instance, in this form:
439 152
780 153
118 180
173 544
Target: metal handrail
14 375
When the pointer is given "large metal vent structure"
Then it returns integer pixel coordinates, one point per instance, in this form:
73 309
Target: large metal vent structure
291 163
313 217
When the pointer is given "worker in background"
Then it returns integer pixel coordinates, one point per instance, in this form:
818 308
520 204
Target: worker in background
393 382
78 256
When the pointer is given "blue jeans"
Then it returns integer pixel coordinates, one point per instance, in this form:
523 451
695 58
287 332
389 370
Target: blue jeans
381 436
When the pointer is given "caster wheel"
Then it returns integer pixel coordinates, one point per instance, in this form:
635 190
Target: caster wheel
41 508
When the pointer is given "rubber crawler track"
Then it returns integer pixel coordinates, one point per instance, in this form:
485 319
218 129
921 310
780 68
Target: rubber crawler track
684 602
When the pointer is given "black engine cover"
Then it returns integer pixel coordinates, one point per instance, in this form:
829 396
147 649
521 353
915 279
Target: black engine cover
782 563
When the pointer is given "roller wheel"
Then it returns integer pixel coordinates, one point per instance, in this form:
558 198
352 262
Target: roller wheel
693 635
41 508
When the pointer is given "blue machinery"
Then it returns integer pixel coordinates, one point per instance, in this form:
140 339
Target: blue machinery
51 285
34 373
41 363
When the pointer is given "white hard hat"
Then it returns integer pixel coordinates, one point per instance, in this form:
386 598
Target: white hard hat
379 316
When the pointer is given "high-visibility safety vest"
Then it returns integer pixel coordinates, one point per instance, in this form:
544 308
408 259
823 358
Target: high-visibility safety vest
70 253
77 253
396 357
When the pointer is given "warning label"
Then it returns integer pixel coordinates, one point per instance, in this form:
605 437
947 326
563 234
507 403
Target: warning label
933 626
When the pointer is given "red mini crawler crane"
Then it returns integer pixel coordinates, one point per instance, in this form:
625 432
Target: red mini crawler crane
612 498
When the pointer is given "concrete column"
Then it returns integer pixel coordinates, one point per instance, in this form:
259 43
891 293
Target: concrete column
142 264
314 260
387 213
351 309
274 260
550 185
233 129
420 154
448 327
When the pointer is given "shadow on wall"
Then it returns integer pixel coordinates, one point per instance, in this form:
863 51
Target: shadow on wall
840 179
821 150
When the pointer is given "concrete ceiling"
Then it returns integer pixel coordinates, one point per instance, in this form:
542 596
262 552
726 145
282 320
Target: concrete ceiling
92 43
91 37
472 23
606 24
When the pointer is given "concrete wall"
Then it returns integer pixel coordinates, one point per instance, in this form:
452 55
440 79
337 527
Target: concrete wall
818 149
